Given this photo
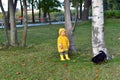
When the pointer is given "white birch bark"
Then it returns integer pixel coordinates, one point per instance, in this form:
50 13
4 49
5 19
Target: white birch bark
98 27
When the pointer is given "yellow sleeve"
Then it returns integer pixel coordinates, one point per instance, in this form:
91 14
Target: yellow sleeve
59 45
58 41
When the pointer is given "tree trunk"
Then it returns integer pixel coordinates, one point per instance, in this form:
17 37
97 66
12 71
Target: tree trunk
81 11
14 40
21 11
68 26
5 25
6 31
39 15
85 14
76 14
49 18
98 28
8 17
25 24
45 16
15 4
33 17
39 11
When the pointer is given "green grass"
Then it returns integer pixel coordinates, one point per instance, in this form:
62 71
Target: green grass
40 59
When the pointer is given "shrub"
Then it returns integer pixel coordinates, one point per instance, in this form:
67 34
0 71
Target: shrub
112 14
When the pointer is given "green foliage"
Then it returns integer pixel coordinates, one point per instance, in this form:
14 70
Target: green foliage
48 5
74 2
40 59
111 4
112 14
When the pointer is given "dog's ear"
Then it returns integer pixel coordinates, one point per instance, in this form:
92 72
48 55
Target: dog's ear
101 51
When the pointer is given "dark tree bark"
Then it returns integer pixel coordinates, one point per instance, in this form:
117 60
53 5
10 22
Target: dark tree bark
33 17
85 14
21 11
39 11
81 11
15 4
45 16
8 17
49 17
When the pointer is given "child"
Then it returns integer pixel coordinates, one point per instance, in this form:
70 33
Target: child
63 44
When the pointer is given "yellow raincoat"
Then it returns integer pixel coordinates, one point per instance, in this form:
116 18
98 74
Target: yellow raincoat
62 41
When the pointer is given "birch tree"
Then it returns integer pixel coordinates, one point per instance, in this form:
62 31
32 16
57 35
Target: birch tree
98 42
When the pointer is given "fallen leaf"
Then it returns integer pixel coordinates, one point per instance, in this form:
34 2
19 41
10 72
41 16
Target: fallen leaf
18 73
23 64
52 71
7 76
39 63
65 65
13 62
67 79
7 54
20 79
97 71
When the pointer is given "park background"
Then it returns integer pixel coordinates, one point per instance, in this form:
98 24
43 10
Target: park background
39 60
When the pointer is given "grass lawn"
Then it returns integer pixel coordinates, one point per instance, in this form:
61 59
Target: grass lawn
40 59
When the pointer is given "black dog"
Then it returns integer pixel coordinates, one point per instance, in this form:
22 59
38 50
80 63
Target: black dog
101 57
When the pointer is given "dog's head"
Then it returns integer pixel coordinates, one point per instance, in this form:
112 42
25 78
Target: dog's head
101 57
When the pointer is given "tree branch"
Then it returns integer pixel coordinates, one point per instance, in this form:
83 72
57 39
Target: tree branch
76 16
3 11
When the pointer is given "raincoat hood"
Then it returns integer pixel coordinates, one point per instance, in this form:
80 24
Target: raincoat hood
60 30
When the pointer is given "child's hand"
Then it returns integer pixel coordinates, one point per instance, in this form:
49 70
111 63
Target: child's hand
60 46
68 45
